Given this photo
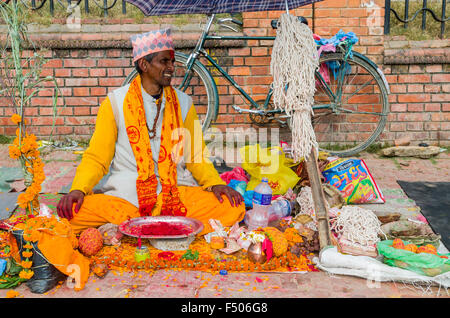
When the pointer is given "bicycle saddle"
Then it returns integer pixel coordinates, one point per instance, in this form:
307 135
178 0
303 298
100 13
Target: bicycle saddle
274 23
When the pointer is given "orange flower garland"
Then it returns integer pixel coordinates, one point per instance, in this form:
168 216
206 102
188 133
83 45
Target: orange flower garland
27 273
24 148
121 258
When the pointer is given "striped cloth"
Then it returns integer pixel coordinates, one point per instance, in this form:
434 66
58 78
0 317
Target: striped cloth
164 7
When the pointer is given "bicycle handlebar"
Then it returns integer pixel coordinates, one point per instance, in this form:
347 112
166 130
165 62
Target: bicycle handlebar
230 20
222 21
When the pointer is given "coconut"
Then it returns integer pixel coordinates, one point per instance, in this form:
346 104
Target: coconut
90 242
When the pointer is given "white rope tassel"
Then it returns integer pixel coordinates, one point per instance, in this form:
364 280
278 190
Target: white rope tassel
294 61
358 225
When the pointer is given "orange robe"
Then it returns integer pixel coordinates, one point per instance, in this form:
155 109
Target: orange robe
98 209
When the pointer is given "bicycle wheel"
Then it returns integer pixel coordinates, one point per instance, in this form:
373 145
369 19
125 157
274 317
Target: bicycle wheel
350 104
198 84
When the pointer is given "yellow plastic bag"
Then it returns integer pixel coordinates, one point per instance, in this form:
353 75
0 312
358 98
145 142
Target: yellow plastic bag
270 163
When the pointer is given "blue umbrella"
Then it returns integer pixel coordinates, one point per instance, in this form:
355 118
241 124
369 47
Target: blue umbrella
163 7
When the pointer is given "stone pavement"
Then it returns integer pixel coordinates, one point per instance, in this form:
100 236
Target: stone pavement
191 284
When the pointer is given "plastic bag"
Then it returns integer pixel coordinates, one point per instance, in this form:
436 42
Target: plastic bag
236 174
2 266
46 276
422 263
239 186
248 198
270 163
353 179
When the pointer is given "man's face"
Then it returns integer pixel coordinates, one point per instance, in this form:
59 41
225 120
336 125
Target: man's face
161 68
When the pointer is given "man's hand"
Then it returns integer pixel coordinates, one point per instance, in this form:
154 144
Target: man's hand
233 196
65 205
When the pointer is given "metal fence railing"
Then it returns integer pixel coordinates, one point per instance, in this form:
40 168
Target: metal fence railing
104 5
407 18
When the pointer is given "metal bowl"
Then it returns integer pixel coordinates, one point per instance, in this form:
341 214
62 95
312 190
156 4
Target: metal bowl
193 224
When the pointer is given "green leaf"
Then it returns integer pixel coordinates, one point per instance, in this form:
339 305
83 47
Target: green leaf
7 249
10 282
189 255
12 268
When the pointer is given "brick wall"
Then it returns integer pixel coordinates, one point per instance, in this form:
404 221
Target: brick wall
91 61
418 73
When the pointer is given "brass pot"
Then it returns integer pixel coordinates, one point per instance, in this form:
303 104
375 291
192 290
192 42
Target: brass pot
256 254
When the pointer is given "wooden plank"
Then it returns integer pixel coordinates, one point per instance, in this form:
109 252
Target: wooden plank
320 206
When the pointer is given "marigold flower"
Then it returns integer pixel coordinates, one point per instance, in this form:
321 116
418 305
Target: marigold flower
27 254
26 274
23 199
28 246
12 294
29 144
14 152
16 119
26 264
34 189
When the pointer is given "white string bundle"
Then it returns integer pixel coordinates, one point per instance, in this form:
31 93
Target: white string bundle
358 225
294 61
306 202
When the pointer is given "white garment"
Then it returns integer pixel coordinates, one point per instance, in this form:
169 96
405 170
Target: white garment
123 170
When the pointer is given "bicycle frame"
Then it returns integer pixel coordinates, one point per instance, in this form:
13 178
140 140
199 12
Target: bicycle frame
198 50
334 97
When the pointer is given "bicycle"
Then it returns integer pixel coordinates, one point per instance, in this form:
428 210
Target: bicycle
340 110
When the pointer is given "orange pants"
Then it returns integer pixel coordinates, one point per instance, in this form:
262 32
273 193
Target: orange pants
99 209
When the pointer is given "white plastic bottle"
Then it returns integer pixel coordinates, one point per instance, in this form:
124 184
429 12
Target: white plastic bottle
279 209
262 197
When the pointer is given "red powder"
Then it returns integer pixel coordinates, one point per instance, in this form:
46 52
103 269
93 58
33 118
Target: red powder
165 228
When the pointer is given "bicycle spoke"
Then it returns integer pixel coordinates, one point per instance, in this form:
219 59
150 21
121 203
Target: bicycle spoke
360 112
353 78
358 90
354 114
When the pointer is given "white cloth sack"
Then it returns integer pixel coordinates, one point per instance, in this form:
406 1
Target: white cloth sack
330 260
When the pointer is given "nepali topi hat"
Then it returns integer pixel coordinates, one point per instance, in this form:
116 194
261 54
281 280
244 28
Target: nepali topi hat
151 42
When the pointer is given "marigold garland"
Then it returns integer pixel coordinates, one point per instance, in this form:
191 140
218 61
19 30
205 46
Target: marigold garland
27 273
121 258
24 148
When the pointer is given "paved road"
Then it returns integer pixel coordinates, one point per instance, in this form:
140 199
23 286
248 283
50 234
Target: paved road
181 284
